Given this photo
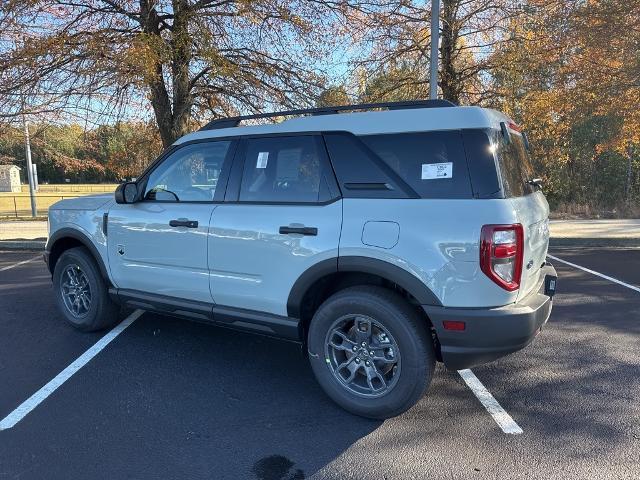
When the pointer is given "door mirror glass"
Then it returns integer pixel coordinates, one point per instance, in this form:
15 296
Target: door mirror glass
126 193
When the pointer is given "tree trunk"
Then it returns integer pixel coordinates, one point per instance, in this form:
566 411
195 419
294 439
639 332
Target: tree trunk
449 82
629 182
172 113
180 61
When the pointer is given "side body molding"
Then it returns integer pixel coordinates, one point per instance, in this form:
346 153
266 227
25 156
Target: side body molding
51 253
357 264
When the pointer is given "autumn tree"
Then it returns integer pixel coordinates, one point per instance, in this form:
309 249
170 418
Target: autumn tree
333 95
576 94
470 31
107 153
125 148
187 58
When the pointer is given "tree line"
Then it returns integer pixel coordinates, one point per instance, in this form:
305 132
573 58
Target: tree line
73 153
567 70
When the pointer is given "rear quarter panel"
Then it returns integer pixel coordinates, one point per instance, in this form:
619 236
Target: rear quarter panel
438 242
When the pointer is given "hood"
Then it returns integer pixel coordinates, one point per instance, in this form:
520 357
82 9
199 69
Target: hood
86 202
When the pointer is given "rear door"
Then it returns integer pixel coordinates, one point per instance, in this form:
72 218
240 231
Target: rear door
282 215
159 244
530 204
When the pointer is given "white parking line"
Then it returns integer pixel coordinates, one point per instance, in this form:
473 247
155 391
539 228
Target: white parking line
598 274
502 418
37 398
8 267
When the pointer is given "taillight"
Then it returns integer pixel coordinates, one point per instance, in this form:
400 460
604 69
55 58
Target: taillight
501 252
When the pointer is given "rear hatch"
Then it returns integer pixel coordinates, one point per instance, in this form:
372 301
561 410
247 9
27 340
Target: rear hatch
533 213
529 203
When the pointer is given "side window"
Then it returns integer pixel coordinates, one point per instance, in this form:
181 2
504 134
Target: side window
283 169
360 172
190 174
515 167
434 164
482 163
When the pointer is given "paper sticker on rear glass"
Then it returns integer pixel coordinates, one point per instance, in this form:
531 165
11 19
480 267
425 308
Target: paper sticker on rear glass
432 171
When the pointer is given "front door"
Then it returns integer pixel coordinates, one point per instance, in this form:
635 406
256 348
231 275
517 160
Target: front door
159 244
283 215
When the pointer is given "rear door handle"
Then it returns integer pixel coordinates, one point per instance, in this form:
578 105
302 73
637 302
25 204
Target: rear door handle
312 231
184 223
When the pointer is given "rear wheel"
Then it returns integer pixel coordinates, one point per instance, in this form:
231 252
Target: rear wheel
371 352
81 292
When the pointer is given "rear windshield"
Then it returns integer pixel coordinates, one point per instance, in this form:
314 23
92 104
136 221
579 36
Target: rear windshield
514 164
434 164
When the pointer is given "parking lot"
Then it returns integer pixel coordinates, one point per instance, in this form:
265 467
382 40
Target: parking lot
167 398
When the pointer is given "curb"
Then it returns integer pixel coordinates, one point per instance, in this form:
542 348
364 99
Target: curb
22 244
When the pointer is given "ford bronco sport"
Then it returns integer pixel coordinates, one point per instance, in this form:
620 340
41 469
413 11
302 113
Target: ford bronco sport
383 237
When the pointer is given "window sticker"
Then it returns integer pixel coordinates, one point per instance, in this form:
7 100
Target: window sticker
263 157
289 164
433 171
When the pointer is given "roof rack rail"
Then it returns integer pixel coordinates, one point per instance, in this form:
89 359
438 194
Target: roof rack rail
235 121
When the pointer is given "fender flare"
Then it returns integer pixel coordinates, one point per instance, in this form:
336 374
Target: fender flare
84 239
358 264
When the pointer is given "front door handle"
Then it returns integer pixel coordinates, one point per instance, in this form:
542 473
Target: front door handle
312 231
184 223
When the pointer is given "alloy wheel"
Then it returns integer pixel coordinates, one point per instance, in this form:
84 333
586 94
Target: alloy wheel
75 290
362 355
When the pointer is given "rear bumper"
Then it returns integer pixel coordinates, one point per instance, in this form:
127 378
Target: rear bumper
491 333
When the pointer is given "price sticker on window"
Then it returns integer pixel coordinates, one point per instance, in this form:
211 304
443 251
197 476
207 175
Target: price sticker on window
434 171
263 158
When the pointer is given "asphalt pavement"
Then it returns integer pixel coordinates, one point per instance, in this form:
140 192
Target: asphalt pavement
172 399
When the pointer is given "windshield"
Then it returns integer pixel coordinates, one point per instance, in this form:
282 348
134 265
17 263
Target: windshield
514 163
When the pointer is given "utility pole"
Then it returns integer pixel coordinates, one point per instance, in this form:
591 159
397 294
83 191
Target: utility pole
435 36
27 143
32 187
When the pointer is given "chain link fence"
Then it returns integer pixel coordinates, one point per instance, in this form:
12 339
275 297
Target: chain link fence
17 205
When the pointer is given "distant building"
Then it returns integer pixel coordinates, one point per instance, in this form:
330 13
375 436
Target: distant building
10 178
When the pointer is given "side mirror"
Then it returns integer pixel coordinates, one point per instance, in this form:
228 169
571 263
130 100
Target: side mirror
126 192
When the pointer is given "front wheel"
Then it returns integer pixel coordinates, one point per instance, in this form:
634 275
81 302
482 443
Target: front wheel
371 352
81 292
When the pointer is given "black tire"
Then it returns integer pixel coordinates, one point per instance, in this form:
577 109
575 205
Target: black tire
102 312
409 332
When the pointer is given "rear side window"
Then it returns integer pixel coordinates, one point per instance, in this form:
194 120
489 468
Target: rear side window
434 164
513 161
284 169
360 172
482 163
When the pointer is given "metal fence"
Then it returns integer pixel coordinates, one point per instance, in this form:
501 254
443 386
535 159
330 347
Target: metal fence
72 188
19 205
16 205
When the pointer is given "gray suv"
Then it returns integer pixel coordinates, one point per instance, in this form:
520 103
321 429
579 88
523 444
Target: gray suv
383 237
